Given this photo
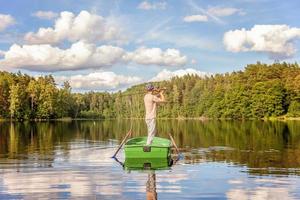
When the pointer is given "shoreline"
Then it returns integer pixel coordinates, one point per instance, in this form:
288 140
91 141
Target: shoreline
281 118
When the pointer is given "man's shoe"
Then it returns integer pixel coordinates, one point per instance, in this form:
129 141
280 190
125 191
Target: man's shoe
147 148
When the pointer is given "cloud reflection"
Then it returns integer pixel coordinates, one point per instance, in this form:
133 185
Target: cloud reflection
264 188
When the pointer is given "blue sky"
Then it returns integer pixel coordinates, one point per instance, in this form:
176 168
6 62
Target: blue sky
119 43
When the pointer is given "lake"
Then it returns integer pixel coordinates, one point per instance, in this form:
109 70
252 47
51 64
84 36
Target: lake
219 160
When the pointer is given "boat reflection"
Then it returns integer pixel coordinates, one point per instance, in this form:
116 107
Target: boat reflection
148 165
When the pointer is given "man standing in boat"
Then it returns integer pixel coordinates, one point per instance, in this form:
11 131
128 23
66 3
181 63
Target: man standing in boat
151 102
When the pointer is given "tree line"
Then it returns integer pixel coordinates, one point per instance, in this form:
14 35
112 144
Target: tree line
258 91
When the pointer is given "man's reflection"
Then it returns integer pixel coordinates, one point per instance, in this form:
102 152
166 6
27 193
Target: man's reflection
148 165
151 186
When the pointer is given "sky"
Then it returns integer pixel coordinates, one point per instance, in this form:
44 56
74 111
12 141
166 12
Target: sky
111 45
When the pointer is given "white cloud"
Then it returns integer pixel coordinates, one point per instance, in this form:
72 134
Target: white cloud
145 5
203 11
47 58
103 80
85 26
45 14
215 13
156 56
167 75
6 21
106 80
276 40
224 11
195 18
82 55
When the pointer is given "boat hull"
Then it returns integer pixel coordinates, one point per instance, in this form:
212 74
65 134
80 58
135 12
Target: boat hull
136 148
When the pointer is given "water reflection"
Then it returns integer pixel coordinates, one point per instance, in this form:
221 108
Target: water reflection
81 173
148 166
221 159
151 186
265 188
259 145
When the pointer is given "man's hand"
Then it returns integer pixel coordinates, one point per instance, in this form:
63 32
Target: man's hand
162 97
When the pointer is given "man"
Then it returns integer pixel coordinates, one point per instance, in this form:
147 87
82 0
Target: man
151 102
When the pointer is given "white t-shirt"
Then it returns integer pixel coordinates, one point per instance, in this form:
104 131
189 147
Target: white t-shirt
150 101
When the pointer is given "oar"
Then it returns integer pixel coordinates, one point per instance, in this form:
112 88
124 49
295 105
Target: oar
124 140
173 141
116 159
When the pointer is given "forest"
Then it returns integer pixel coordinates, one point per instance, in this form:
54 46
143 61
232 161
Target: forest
259 91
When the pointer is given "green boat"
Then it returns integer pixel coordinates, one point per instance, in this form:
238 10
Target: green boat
148 163
136 148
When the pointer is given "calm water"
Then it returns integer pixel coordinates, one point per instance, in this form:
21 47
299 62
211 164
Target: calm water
220 160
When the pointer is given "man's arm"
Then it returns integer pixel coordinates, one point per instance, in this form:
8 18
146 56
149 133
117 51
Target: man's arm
162 96
160 99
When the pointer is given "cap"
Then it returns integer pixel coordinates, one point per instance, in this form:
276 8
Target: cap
149 87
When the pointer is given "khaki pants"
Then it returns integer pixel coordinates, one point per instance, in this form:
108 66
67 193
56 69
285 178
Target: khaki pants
151 123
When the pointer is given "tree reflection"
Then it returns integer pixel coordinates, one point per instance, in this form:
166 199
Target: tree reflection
256 144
